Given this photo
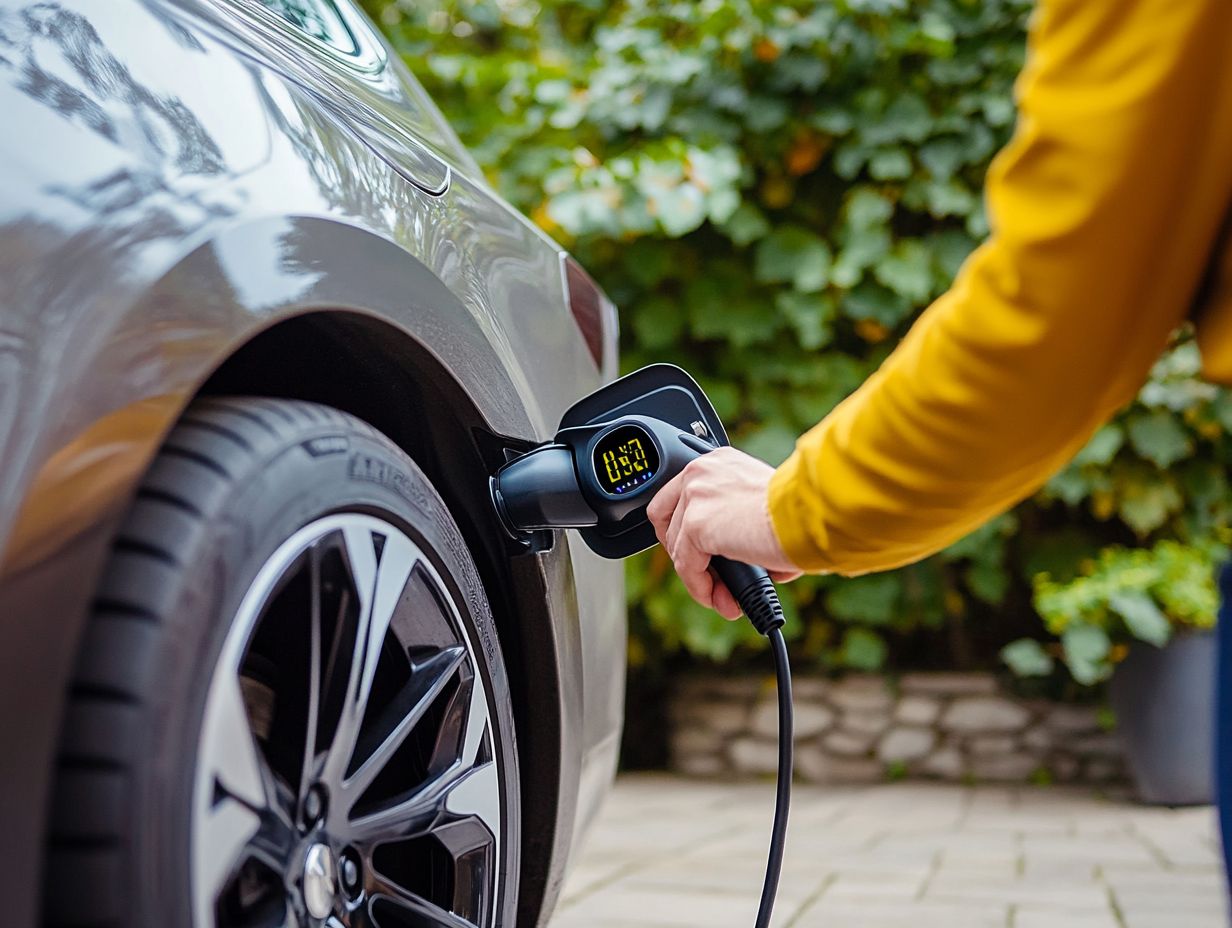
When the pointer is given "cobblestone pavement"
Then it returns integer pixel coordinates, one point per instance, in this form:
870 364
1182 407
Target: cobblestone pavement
675 852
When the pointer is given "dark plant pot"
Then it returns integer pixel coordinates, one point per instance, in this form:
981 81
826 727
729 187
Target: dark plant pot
1164 699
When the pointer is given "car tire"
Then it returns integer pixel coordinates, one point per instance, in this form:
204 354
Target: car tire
207 775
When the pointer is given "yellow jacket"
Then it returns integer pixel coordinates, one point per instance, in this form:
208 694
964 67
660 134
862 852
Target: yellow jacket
1106 210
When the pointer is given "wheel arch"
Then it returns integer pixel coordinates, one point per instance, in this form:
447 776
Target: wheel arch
376 372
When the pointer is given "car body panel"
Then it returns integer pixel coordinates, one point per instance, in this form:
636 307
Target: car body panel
173 188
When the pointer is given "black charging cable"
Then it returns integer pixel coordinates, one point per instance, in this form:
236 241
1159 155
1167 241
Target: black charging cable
755 594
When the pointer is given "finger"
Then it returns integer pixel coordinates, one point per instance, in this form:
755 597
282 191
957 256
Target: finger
784 576
664 505
724 603
692 564
671 537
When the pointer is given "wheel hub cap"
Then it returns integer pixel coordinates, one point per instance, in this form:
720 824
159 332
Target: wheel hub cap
319 884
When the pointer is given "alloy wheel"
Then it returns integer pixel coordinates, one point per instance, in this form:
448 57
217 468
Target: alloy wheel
346 774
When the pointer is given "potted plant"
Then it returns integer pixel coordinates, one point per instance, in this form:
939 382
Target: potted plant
1141 618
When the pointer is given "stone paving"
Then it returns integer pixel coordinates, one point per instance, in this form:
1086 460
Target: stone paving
671 852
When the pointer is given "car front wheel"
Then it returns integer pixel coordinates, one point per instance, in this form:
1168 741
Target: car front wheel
290 707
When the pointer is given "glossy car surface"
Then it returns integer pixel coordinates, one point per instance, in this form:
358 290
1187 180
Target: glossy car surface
199 197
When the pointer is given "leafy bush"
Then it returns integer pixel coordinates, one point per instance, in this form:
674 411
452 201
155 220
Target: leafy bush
1138 594
771 193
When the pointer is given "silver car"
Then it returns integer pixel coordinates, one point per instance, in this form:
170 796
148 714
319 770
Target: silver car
267 657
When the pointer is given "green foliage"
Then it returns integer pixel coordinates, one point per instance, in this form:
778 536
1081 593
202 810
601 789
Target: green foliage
1128 594
1027 658
771 193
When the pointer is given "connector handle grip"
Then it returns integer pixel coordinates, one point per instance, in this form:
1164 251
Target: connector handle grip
753 590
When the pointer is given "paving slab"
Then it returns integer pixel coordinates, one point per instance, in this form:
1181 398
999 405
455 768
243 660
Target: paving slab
669 852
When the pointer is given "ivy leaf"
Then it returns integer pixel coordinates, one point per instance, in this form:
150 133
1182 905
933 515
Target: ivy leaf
746 224
907 118
1070 486
1026 657
833 120
1086 650
1146 506
793 254
990 582
862 649
740 322
986 543
943 198
862 248
810 315
849 158
1102 447
1145 619
943 157
646 264
873 301
658 322
872 599
1159 437
890 164
907 271
765 114
1222 407
867 208
803 71
950 249
718 309
679 209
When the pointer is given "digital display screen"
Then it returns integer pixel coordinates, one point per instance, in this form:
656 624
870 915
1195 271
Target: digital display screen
624 459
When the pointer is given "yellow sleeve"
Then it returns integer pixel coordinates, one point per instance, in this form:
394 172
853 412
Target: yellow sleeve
1103 208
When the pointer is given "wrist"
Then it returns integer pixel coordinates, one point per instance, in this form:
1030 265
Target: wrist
790 524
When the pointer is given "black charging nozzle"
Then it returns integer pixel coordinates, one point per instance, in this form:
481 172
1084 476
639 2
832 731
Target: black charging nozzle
614 451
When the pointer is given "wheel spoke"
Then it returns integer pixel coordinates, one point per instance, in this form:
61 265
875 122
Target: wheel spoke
244 814
313 710
428 679
458 793
477 795
228 741
477 790
424 912
415 813
273 844
477 719
379 583
224 832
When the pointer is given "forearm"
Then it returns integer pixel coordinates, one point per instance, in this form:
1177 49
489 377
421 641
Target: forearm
1100 238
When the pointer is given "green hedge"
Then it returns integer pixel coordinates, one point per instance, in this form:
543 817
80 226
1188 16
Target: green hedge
771 192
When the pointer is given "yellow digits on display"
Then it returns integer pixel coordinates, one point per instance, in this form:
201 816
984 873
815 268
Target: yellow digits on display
631 460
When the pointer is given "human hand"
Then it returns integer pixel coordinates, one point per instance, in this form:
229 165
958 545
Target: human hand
717 505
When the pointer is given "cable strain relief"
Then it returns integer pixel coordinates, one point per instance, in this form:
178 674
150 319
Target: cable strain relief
760 603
